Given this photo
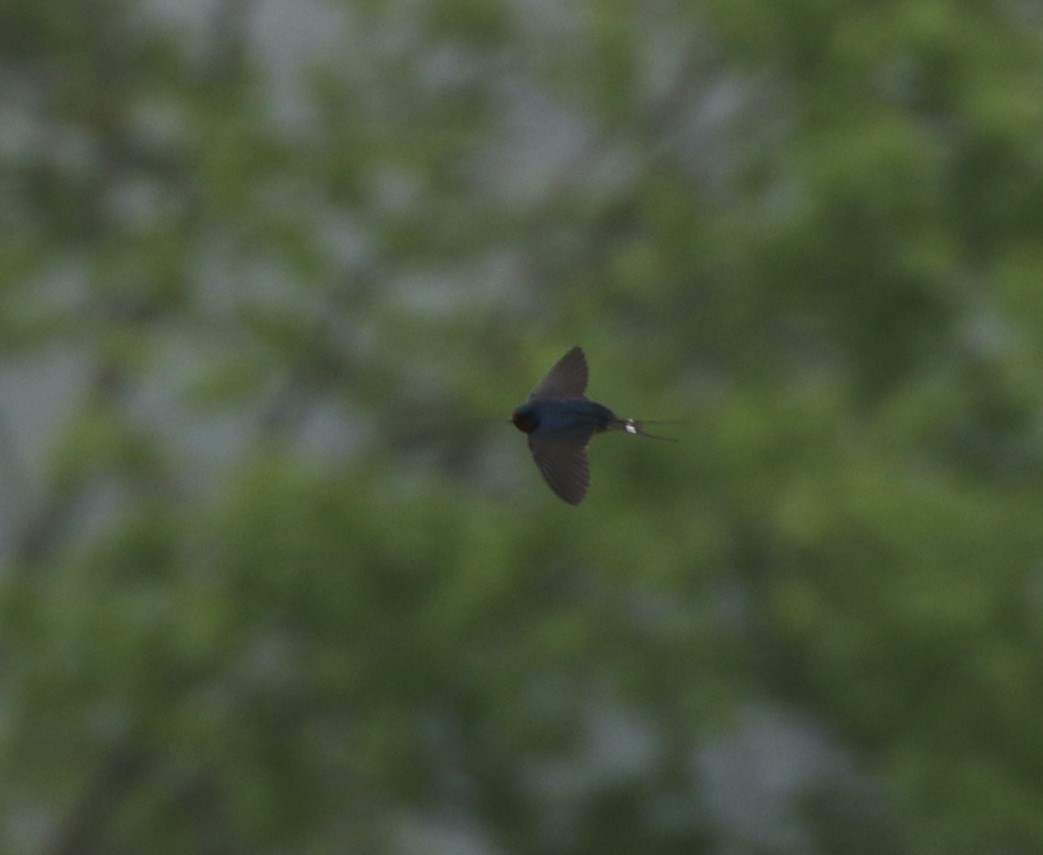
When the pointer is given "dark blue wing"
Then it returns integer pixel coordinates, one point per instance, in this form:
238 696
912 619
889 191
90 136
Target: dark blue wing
567 379
562 459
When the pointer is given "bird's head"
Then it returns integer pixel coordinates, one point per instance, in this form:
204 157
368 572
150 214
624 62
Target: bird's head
525 419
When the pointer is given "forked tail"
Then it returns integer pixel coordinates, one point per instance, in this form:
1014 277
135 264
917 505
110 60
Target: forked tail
636 428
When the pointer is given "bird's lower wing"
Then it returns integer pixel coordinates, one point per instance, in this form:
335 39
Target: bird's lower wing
562 459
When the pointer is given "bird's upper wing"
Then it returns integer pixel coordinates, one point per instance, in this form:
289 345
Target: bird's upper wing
562 459
567 379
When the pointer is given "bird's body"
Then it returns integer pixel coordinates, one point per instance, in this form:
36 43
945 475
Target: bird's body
560 422
564 415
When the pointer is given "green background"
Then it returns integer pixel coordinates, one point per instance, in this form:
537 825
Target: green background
276 574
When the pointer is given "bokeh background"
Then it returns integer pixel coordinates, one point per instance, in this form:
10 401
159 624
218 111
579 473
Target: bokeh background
276 574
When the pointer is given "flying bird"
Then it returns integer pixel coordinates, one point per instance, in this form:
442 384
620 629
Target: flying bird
560 422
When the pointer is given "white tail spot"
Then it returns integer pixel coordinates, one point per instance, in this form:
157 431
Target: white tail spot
631 427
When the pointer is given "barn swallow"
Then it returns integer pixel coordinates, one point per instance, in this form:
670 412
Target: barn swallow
560 422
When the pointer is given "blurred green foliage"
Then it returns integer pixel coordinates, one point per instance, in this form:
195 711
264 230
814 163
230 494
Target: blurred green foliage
279 577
